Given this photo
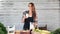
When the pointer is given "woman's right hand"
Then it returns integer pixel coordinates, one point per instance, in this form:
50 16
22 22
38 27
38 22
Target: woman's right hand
23 19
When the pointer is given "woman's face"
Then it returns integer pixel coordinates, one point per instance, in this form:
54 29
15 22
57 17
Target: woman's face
30 7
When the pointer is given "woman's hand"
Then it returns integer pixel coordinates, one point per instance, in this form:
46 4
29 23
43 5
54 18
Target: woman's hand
35 24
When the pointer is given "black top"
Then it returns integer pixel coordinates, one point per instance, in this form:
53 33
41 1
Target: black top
27 21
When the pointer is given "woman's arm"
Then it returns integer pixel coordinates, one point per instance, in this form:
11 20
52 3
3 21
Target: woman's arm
25 15
36 20
23 19
36 23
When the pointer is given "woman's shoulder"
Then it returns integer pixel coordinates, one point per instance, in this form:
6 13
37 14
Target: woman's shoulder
25 12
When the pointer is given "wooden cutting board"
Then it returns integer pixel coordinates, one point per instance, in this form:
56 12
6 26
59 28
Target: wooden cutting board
17 32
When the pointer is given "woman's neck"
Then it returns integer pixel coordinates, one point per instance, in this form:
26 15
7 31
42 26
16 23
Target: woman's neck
30 13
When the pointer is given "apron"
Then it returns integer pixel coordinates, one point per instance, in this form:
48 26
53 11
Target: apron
31 26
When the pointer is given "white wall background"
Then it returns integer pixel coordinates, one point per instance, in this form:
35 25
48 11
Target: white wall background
47 11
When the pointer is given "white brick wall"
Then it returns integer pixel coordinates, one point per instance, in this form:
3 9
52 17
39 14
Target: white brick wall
47 11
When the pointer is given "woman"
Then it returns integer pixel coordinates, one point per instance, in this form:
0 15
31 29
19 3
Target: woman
29 17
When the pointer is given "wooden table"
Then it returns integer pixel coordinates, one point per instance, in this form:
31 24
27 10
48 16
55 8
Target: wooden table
22 32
